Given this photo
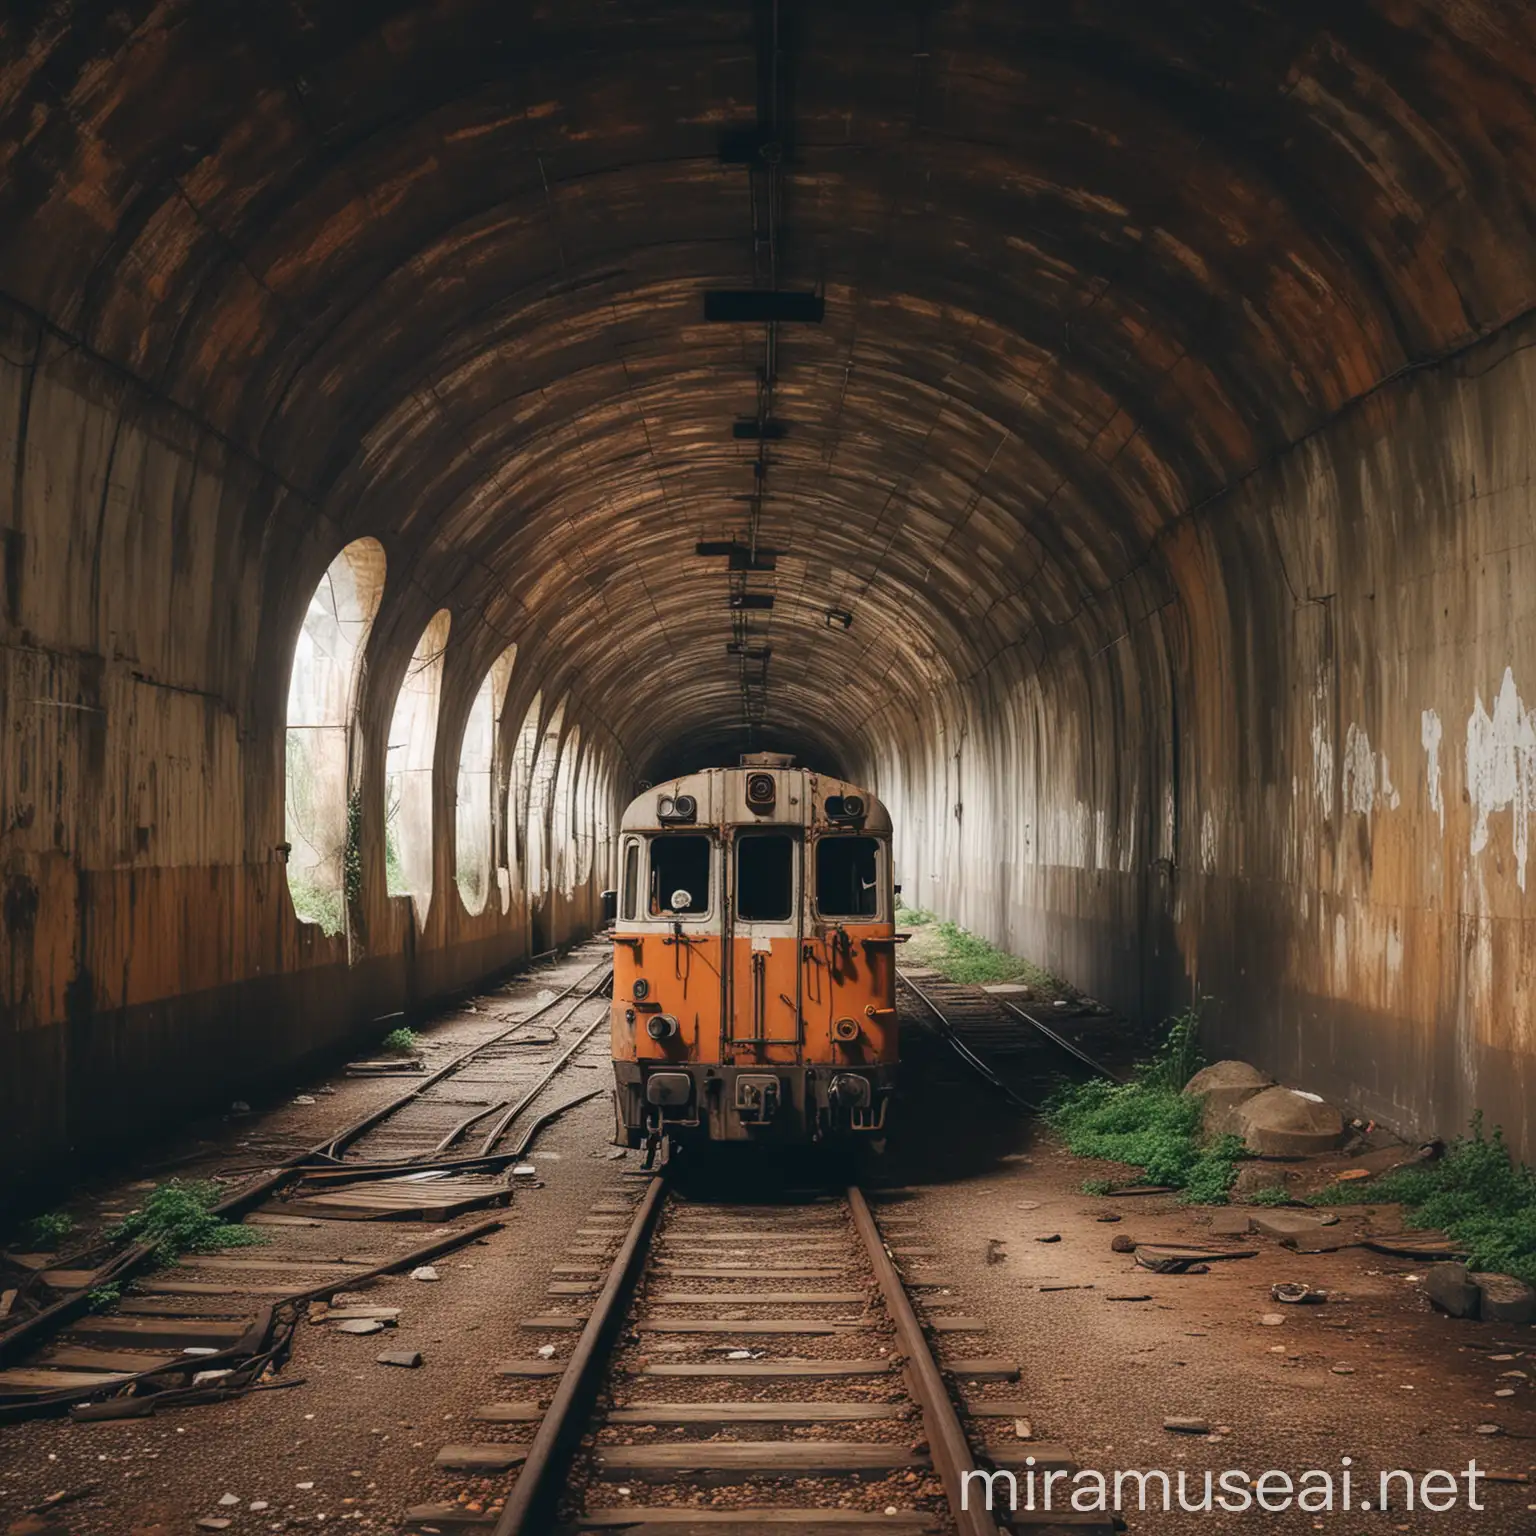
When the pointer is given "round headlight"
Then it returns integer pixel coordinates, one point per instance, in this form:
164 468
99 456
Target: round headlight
641 989
661 1026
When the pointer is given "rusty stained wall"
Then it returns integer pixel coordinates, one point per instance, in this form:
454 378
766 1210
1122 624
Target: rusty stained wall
152 962
1295 774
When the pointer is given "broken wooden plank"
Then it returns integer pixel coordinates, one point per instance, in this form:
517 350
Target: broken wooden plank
531 1368
478 1457
157 1333
78 1357
26 1379
508 1413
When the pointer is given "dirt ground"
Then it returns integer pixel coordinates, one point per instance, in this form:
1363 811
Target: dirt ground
1373 1374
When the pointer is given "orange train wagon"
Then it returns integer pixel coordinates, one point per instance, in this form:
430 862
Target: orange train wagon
754 977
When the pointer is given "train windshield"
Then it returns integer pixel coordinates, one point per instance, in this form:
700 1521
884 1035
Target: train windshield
765 877
679 874
847 877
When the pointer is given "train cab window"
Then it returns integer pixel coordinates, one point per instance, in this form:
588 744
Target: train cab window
679 863
847 877
765 877
631 897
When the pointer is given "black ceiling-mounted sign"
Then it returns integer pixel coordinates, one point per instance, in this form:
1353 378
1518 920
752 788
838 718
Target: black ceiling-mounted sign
739 555
751 600
742 306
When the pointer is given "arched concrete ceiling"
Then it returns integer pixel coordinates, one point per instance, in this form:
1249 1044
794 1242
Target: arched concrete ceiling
439 268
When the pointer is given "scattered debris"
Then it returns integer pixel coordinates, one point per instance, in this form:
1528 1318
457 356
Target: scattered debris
1295 1294
1049 1237
996 1251
1282 1122
361 1325
229 1498
1122 1243
1272 1319
302 1098
1109 1216
1188 1426
1028 1205
408 1359
1342 1370
1136 1296
545 1351
424 1272
1023 1429
1165 1260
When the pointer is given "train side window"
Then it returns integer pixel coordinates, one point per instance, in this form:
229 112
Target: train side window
631 879
848 877
679 862
765 877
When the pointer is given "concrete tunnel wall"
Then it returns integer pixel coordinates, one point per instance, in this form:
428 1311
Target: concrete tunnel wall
1149 511
153 965
1296 779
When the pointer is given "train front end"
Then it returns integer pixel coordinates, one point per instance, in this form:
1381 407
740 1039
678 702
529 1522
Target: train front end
754 960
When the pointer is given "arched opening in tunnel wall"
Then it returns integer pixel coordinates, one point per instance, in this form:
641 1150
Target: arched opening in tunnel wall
525 750
475 820
409 827
564 849
542 805
322 701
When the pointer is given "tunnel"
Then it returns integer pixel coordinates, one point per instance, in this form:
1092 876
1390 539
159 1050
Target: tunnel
1104 431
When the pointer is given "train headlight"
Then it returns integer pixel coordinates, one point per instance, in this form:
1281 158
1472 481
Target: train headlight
845 1031
761 791
641 989
661 1026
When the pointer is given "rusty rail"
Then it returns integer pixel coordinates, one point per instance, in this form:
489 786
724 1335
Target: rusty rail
530 1507
947 1444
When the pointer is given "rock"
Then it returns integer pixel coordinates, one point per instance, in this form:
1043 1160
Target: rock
1272 1319
302 1098
1223 1087
239 1107
996 1252
214 1523
1188 1426
1286 1224
360 1325
407 1358
229 1498
1489 1429
1008 989
1342 1370
208 1378
1122 1243
1279 1122
424 1272
1023 1429
1049 1237
1450 1288
1230 1223
1253 1177
1504 1299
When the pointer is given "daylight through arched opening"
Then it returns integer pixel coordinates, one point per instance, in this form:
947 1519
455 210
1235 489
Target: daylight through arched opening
322 695
474 811
408 769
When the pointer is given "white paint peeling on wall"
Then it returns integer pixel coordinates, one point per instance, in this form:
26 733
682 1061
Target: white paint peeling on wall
1322 744
1359 772
1389 795
1430 732
1501 768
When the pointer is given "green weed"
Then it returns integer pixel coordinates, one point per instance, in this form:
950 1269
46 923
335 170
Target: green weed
915 917
960 955
1275 1195
401 1041
46 1232
1476 1192
313 903
101 1297
1149 1123
178 1218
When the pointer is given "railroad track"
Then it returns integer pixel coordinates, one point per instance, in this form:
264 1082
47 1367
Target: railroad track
443 1149
984 1031
804 1356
